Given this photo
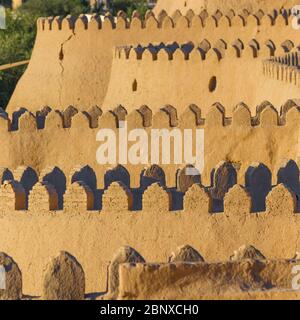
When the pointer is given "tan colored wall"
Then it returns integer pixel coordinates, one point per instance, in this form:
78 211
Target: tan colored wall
31 237
229 280
266 142
224 5
179 80
72 67
130 277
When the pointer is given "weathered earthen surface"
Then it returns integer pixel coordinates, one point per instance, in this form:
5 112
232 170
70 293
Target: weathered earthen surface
91 45
247 252
248 192
193 281
214 235
123 255
287 202
12 195
79 197
64 279
237 201
185 254
117 198
197 198
11 277
156 198
268 145
223 5
43 197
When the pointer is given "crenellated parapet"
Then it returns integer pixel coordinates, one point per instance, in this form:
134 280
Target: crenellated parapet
285 68
163 21
202 50
167 139
245 274
89 40
12 194
157 233
44 194
224 194
211 65
216 7
166 116
75 133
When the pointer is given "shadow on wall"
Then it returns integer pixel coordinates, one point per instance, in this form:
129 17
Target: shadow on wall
223 178
57 179
258 184
87 175
63 277
288 174
28 178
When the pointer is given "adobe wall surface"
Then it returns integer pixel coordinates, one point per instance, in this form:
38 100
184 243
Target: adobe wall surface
198 281
31 237
88 74
238 74
81 54
268 139
252 276
224 5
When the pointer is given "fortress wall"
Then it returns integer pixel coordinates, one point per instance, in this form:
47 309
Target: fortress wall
79 53
282 73
203 281
211 6
268 138
246 275
157 74
31 237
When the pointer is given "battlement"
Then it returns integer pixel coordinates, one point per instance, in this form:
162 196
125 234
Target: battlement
203 78
162 20
196 52
55 134
60 40
142 68
77 191
208 281
253 6
64 278
168 116
65 207
285 68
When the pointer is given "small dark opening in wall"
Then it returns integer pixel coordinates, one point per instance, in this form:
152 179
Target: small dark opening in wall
212 84
134 85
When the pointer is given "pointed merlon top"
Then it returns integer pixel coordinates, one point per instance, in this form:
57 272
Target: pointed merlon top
170 6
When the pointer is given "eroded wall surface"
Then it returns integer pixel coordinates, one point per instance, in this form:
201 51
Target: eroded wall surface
55 196
72 60
149 78
269 138
264 280
31 237
224 5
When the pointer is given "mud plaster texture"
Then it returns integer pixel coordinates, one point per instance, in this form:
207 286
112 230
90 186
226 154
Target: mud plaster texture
76 50
236 78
